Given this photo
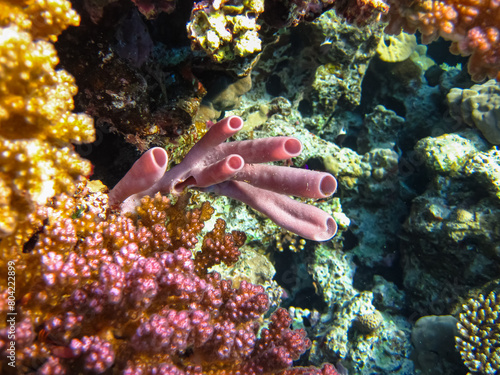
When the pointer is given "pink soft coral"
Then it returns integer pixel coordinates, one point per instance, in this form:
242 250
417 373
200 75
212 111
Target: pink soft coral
471 25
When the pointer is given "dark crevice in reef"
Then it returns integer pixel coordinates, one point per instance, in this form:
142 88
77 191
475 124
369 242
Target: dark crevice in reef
393 272
292 275
110 155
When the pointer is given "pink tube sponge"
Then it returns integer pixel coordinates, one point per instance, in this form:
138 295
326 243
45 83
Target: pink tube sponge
303 219
233 169
144 173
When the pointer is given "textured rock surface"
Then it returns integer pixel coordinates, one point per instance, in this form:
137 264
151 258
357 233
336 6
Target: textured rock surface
478 106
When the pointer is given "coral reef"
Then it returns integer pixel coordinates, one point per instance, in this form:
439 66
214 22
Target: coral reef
344 52
381 129
371 172
371 177
352 330
235 169
479 333
285 13
134 85
361 12
453 223
485 167
472 28
177 288
113 294
37 125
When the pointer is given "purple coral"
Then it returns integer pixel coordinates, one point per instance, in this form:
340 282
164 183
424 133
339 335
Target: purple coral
137 310
167 332
97 354
233 169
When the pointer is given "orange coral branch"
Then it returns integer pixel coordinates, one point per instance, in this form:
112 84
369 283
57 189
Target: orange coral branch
471 25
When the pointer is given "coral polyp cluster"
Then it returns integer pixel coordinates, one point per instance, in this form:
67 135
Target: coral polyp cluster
479 332
37 126
42 19
473 28
107 293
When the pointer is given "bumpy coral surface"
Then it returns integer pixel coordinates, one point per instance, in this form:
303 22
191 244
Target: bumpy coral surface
472 26
101 293
454 223
36 123
396 48
225 29
365 340
479 334
478 106
43 19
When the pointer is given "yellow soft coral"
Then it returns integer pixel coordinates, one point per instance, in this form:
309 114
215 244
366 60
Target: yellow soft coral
43 19
37 126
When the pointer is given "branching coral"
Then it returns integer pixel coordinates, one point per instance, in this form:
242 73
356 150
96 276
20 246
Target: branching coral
36 123
472 26
105 293
479 329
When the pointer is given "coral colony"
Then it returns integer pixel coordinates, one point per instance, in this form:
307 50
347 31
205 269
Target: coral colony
124 294
121 281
